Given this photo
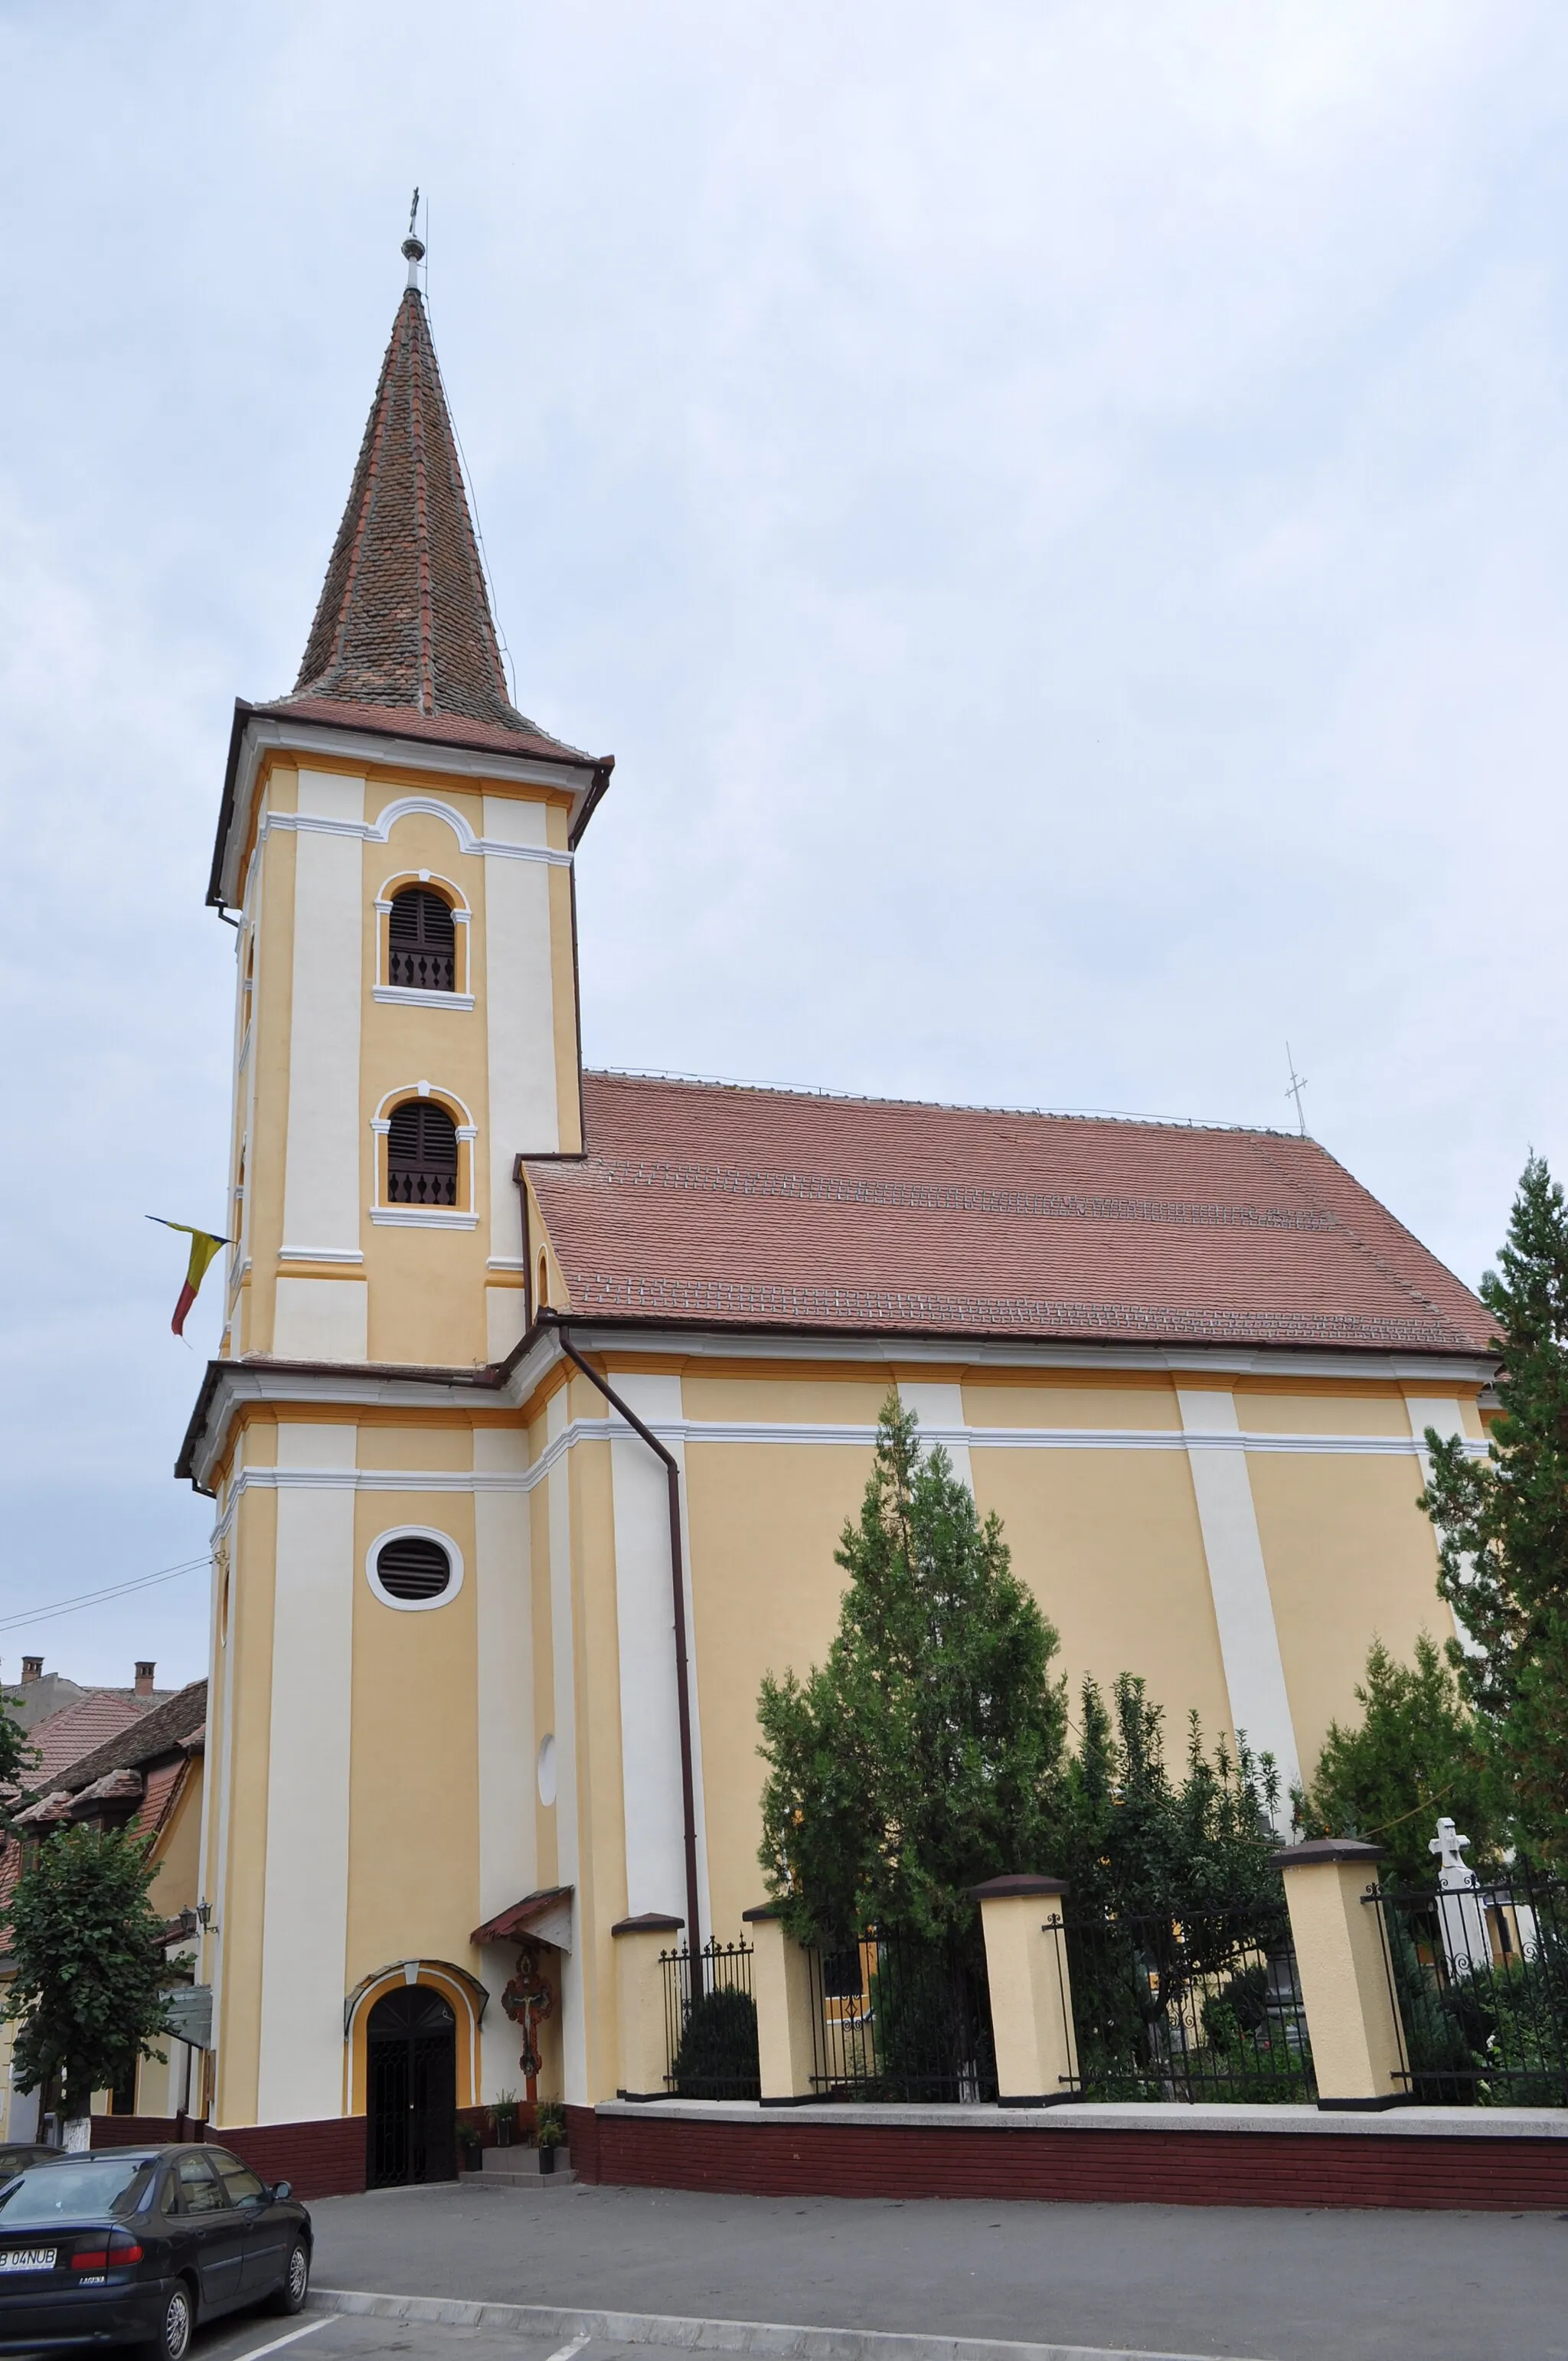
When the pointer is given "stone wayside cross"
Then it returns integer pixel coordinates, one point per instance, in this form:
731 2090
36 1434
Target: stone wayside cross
1449 1846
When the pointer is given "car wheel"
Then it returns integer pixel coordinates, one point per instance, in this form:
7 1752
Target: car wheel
172 2340
290 2295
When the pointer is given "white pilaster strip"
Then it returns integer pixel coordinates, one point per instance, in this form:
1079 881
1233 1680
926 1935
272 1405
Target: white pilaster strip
507 1741
320 1184
304 1931
517 996
1238 1582
568 1841
650 1712
941 1410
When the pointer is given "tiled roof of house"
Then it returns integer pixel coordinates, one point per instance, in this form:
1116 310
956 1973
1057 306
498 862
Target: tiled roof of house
174 1726
163 1785
77 1729
403 638
710 1204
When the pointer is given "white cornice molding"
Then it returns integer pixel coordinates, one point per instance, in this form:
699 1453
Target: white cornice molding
242 1382
889 1349
402 995
379 831
270 733
794 1435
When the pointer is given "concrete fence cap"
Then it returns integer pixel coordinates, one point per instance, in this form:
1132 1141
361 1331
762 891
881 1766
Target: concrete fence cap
998 1889
1324 1849
648 1922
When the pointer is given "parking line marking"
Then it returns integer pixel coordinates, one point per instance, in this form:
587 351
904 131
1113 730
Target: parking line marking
565 2353
293 2337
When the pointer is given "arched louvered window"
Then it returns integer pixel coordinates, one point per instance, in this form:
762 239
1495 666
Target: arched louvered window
414 1569
422 942
422 1155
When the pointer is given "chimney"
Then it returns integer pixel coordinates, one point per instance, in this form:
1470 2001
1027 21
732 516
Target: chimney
146 1668
32 1669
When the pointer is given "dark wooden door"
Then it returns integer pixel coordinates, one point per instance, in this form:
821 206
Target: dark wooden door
412 2088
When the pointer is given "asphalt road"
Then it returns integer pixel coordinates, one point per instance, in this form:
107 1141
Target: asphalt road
1277 2285
327 2339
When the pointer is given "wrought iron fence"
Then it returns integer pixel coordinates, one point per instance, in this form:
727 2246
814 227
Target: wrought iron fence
710 2023
1204 2006
1479 1976
895 2016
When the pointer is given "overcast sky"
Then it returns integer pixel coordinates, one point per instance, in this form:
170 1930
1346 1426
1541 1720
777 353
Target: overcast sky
1059 511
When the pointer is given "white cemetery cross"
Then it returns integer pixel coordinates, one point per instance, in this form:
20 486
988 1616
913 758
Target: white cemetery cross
1460 1910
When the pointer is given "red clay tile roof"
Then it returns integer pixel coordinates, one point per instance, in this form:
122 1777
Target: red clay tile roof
173 1727
79 1729
708 1205
403 638
162 1785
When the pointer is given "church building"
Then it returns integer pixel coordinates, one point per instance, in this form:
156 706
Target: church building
543 1394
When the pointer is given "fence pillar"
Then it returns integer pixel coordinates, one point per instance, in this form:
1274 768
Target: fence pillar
1352 2022
1031 1993
640 1997
781 1979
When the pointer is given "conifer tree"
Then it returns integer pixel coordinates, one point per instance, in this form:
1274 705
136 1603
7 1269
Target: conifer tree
1416 1751
1502 1523
922 1757
88 1989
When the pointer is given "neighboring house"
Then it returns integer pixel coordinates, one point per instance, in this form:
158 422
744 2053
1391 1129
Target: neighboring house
64 1719
147 1775
1191 1368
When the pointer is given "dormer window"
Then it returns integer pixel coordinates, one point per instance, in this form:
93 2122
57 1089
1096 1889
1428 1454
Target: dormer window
422 942
422 1155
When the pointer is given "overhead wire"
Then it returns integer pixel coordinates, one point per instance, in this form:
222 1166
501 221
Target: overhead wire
110 1591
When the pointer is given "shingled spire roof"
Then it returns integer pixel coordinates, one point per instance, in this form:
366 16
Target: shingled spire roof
403 636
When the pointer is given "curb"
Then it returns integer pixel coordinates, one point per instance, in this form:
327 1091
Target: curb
767 2339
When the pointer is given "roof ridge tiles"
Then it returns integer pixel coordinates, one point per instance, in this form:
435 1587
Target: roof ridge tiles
826 1091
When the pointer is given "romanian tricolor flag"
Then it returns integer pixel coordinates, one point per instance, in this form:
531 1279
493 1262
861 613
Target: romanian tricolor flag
204 1247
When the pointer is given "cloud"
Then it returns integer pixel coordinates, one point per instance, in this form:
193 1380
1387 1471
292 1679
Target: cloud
1057 509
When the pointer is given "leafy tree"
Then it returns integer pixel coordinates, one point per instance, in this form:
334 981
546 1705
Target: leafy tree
1418 1751
88 1992
924 1755
17 1756
1502 1523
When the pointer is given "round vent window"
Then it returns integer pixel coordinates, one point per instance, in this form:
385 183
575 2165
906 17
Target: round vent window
414 1569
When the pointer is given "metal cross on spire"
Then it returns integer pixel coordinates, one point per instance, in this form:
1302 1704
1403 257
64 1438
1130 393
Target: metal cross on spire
1296 1084
413 246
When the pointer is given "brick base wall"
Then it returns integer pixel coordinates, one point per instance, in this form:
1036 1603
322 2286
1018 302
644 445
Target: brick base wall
777 2157
320 2160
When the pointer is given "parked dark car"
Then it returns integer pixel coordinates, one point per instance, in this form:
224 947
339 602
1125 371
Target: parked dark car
135 2245
16 2157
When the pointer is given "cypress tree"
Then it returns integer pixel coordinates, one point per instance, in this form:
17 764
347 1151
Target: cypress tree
922 1757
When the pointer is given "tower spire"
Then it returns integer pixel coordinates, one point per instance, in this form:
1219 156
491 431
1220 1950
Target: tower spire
403 626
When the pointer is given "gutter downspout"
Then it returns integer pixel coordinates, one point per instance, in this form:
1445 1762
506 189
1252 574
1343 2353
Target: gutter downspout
678 1588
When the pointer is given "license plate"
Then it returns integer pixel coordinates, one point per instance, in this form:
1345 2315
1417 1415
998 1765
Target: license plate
27 2258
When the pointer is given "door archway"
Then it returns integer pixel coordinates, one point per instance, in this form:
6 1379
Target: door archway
410 2113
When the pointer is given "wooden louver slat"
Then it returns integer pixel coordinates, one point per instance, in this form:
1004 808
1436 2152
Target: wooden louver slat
412 1566
422 1155
422 942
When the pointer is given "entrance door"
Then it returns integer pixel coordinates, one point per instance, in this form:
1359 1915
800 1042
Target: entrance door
411 2088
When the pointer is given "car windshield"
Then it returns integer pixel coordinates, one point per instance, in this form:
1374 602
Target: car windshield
75 2192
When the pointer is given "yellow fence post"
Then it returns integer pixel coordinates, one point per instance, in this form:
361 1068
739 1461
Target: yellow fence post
781 1979
1031 1990
640 1997
1352 2023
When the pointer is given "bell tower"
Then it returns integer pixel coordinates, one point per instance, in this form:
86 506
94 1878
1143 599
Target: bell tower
397 840
395 849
